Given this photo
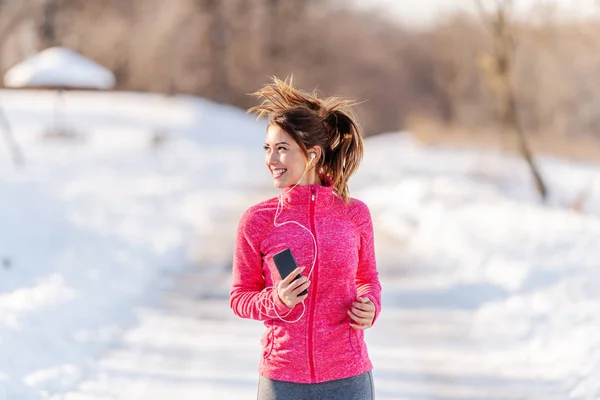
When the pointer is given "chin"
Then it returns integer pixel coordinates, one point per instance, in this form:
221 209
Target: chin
280 185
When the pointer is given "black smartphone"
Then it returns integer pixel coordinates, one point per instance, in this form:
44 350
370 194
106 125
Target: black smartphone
285 262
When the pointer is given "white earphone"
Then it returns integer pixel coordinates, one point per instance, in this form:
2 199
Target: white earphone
312 156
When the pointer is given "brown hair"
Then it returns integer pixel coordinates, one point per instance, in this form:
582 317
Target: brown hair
328 123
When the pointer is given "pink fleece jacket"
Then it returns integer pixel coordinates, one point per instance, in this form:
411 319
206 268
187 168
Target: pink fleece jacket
321 346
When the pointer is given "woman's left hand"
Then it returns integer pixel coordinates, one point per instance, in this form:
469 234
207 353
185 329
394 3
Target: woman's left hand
362 313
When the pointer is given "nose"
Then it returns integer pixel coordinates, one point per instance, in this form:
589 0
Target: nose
272 158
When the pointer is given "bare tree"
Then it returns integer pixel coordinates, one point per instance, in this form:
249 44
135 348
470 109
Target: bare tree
47 24
13 147
218 37
497 67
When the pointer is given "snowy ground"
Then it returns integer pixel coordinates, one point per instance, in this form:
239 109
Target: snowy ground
115 251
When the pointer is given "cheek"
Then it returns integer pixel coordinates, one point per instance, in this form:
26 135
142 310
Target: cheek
296 163
283 159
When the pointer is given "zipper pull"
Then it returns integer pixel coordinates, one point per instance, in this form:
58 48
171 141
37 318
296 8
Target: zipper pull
313 193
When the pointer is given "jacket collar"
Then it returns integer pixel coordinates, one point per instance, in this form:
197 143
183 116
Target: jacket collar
303 194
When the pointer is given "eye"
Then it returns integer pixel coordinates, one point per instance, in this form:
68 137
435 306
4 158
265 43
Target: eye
281 148
266 147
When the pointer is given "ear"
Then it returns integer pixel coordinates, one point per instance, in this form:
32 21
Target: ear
314 154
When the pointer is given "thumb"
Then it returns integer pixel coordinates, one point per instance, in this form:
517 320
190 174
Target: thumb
364 299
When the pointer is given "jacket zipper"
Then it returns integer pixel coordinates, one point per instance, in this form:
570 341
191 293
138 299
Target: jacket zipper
312 292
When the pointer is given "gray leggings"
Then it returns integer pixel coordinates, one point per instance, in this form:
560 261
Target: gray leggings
358 387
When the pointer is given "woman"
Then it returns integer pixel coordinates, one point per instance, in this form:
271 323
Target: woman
313 346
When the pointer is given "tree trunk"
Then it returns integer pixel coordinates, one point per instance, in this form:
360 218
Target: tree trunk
498 75
13 147
47 27
523 146
218 42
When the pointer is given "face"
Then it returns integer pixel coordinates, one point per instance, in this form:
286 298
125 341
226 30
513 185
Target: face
285 159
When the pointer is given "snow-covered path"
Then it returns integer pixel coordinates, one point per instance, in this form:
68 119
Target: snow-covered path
192 346
188 348
423 346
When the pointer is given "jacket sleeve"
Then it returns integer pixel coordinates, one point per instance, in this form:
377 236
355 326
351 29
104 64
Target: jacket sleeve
249 298
367 276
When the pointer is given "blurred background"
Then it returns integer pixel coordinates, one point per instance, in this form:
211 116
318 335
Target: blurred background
422 66
126 159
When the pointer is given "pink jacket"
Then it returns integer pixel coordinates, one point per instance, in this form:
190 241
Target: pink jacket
321 346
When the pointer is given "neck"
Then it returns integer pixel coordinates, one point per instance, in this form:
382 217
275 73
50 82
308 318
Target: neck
311 178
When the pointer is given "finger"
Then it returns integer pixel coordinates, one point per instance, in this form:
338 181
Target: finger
292 276
364 307
361 313
301 298
358 319
295 299
301 288
288 279
364 300
360 327
293 285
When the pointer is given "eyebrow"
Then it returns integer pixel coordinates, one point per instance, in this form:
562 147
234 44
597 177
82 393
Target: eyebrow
266 144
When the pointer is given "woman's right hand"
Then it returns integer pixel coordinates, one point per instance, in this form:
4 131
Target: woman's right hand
288 289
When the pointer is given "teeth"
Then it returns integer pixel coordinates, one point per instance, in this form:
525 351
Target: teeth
278 172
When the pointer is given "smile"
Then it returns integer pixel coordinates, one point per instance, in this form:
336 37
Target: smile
278 172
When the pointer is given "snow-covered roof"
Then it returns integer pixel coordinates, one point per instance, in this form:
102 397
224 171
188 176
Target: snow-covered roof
61 68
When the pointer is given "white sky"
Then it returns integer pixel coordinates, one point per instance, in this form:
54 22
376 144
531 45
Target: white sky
423 12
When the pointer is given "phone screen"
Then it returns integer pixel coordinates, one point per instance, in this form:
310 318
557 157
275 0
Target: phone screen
285 262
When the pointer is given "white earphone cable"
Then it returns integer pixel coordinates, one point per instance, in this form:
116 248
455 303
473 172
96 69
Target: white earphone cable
278 212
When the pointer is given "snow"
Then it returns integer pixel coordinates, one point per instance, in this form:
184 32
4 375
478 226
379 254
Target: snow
59 67
115 252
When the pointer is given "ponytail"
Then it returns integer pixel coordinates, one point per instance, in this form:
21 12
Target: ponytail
345 148
312 121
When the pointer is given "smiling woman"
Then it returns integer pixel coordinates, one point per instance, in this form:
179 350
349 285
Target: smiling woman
313 345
